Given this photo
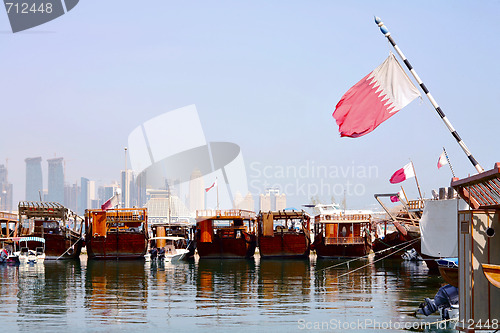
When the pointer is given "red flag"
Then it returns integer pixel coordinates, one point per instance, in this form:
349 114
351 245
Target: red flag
403 174
211 186
112 202
374 99
442 160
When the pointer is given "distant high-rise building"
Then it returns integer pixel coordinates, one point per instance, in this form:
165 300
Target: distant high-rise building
56 180
246 203
127 188
84 196
196 191
281 201
272 200
71 196
5 191
34 180
264 202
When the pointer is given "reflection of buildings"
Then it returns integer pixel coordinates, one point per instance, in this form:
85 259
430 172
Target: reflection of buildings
246 203
272 200
196 191
34 180
5 191
56 180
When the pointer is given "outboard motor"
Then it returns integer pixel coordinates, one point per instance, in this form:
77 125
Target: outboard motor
161 253
446 299
154 253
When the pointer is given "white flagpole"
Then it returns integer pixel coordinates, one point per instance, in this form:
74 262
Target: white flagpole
387 34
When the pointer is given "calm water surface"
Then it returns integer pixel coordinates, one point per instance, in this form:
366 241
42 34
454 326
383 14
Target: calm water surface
214 295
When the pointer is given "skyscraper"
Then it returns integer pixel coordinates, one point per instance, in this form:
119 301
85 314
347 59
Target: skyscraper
272 200
84 196
5 190
34 180
127 188
56 180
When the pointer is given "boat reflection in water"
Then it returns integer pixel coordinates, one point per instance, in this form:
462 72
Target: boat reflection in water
115 290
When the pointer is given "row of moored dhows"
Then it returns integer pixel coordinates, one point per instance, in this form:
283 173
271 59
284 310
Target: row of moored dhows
124 233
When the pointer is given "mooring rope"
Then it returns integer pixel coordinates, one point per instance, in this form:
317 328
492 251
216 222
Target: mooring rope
69 248
378 252
354 270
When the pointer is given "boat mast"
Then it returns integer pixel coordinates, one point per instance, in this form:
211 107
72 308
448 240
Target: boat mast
387 34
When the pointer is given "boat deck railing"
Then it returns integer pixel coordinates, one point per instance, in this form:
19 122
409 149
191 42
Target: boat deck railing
349 218
225 213
344 240
4 216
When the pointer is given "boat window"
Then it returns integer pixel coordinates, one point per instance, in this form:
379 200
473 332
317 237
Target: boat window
50 225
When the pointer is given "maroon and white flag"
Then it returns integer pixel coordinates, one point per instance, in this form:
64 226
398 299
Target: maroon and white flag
111 203
442 160
403 174
374 99
211 186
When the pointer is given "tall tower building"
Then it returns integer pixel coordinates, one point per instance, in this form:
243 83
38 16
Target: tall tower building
246 203
56 180
265 202
272 200
127 185
84 202
196 191
34 180
5 191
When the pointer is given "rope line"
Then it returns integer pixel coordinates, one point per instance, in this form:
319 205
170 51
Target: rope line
366 256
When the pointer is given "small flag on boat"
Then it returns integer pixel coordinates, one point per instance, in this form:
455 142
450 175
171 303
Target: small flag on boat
211 186
396 198
403 174
442 160
111 203
374 99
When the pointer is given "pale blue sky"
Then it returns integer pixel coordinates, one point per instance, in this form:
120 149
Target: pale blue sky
263 74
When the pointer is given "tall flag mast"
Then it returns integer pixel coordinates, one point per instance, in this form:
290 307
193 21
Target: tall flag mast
387 34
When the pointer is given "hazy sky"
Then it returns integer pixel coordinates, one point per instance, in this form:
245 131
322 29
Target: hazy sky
263 74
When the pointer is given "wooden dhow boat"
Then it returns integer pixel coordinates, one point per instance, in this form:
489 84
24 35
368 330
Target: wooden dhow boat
339 233
60 227
119 233
225 234
284 234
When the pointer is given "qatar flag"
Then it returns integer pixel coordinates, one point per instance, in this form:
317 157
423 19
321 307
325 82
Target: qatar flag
211 186
374 99
442 160
111 202
403 174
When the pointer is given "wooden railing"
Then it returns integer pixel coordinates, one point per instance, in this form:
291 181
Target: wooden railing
344 240
328 218
226 213
416 204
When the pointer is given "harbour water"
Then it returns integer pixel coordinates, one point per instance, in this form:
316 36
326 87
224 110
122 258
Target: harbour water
217 295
